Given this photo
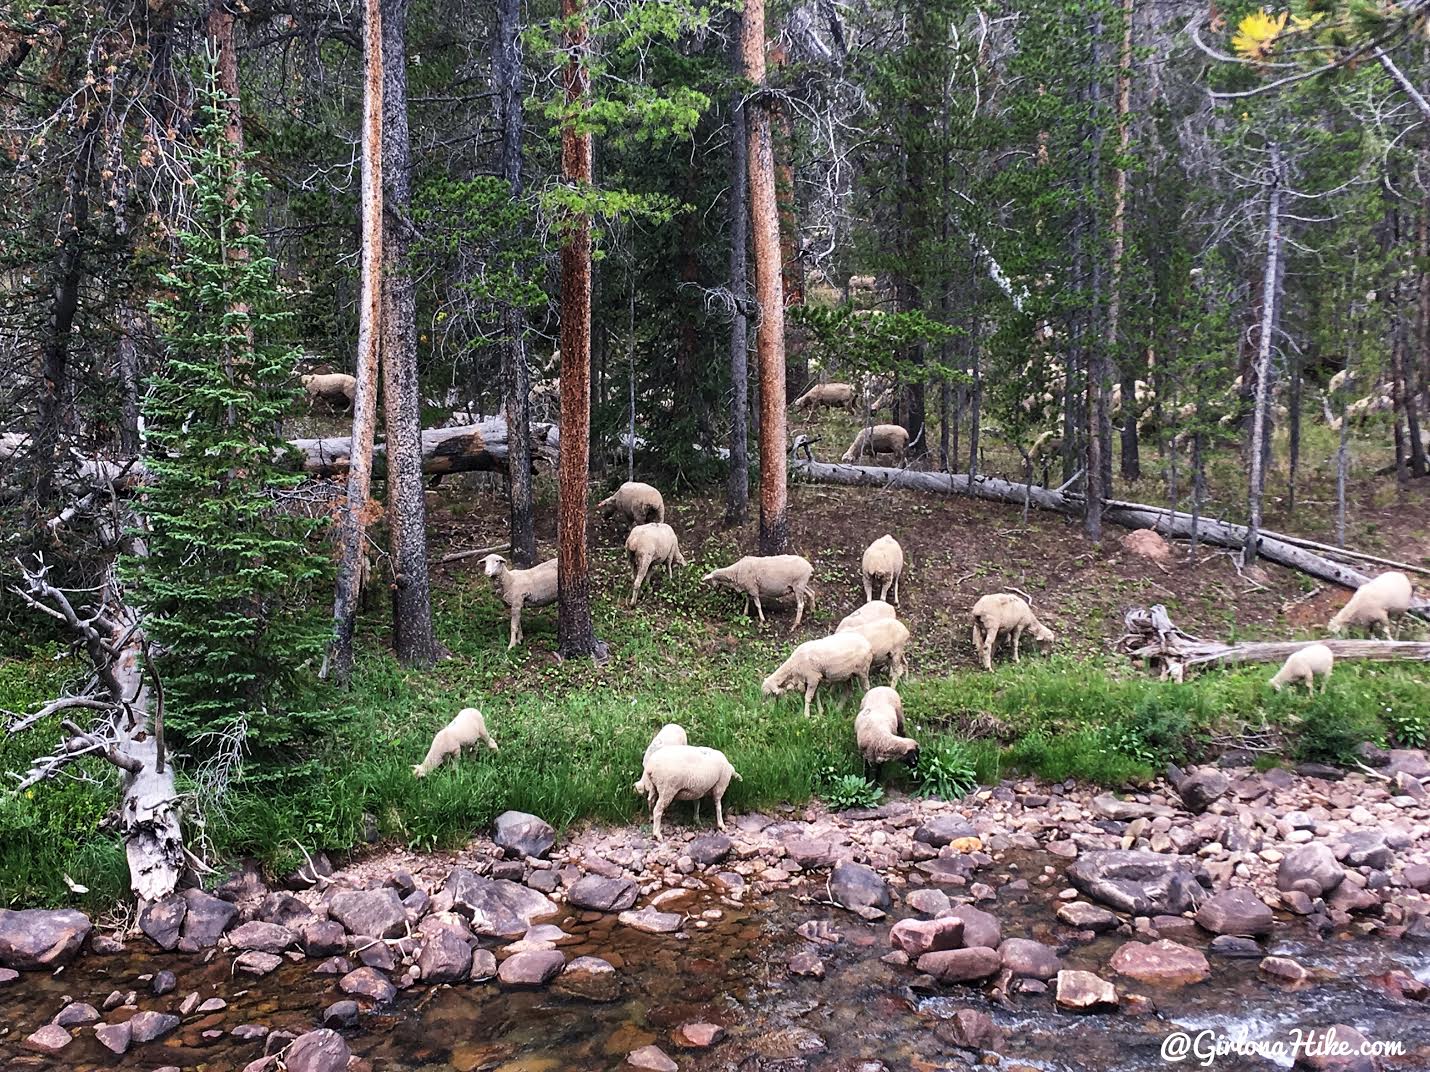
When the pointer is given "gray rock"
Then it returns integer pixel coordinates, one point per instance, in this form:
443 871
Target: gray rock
264 937
928 902
76 1014
164 982
1139 882
961 965
318 866
51 1038
1026 958
971 1029
1236 911
809 852
709 849
1161 963
148 1026
368 983
941 830
652 920
1203 788
1235 946
38 939
650 1059
496 907
287 911
1125 811
116 1038
590 978
205 920
254 962
323 1050
323 938
806 964
371 913
1311 869
1338 1048
603 894
979 927
856 887
1364 848
919 936
343 1013
484 965
520 834
1087 917
445 958
530 970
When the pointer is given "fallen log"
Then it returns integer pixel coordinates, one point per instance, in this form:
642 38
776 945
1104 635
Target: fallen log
468 448
1128 515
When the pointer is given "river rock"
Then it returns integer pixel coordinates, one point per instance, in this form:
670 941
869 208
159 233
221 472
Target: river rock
1416 876
941 830
651 1059
590 978
1311 869
343 1013
38 939
530 970
806 964
115 1038
857 887
1028 959
317 867
205 920
162 920
919 936
286 910
445 958
1124 811
520 834
496 907
1236 911
1203 788
1336 1049
698 1036
1162 963
264 937
652 920
51 1038
164 982
603 894
1087 917
971 1029
1397 984
1364 848
1284 968
370 913
255 962
148 1026
1235 946
484 966
961 965
323 1050
928 902
368 983
323 938
979 927
709 849
1140 882
1084 991
76 1014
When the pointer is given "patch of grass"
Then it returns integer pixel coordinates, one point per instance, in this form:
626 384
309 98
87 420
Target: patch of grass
843 791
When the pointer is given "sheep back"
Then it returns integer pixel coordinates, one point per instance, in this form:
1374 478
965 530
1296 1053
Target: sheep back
872 611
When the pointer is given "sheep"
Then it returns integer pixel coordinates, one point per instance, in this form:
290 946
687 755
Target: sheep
10 444
1374 602
334 388
685 772
1338 381
669 734
833 395
840 657
879 439
888 637
863 282
1303 665
762 577
535 587
638 503
466 729
873 611
651 544
883 562
1002 612
879 727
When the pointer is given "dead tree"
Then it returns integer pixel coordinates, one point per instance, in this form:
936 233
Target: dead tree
1271 281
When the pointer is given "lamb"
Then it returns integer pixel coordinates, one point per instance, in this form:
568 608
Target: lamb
669 734
878 439
638 503
762 577
334 388
685 772
833 395
535 587
873 611
1303 665
466 729
879 728
883 562
1001 612
1374 602
652 544
840 657
888 637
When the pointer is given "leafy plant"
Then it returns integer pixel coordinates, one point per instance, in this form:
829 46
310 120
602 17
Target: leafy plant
947 771
1409 729
842 791
1154 733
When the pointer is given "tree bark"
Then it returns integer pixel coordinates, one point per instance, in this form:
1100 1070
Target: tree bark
412 637
1131 462
1099 421
220 28
769 290
353 524
1265 344
470 448
737 494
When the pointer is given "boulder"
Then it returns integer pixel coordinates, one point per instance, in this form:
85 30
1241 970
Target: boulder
1161 963
368 983
164 982
323 938
370 913
445 958
590 978
496 908
1365 848
971 1029
1337 1048
148 1026
342 1014
919 936
205 920
8 975
1028 959
979 927
928 902
1140 882
38 939
1203 788
1236 911
51 1038
519 834
116 1038
1231 945
1147 543
809 852
961 965
698 1036
941 830
651 1059
1084 991
857 887
1087 917
709 849
76 1014
264 937
286 910
652 920
530 970
254 962
603 894
1124 811
1284 968
323 1050
1311 869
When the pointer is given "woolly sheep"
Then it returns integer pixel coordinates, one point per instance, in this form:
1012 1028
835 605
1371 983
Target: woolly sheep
669 734
879 727
873 611
334 388
884 563
841 657
535 587
762 577
1003 613
863 282
638 503
879 439
833 395
466 729
1338 381
652 544
1374 602
1302 667
888 637
685 772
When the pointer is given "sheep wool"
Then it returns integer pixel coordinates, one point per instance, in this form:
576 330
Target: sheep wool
841 657
683 772
535 587
334 388
1374 603
466 729
833 395
768 577
636 502
649 545
878 439
1303 666
878 729
670 733
1002 613
872 611
883 565
888 637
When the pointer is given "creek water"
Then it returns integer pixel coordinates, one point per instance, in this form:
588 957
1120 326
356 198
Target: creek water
732 972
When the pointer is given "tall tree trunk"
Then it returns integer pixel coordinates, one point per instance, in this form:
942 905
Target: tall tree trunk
509 77
769 289
1265 346
1099 421
127 367
575 631
220 28
1293 428
1124 360
797 377
737 494
353 525
412 636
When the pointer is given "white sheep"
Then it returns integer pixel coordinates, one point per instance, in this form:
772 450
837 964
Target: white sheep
878 439
1338 381
888 637
1003 613
334 388
1374 602
883 562
669 734
535 587
638 503
873 611
651 544
833 395
1303 665
684 772
879 727
761 577
466 729
841 657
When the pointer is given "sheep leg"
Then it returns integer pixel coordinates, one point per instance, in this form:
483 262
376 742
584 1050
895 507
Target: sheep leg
896 589
661 802
697 812
977 641
642 568
868 589
884 592
515 629
798 609
760 610
896 669
719 811
809 694
1017 636
990 641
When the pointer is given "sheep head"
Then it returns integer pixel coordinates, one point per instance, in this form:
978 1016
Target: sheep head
775 685
1044 636
494 566
419 770
720 578
911 757
1336 624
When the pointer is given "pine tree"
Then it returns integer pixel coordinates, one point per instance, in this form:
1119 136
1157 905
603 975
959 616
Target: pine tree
231 579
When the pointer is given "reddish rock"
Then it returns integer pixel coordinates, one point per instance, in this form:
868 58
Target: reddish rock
322 1050
698 1036
652 920
206 917
76 1014
1087 917
323 938
1284 968
530 970
928 902
1084 991
961 965
979 927
1399 984
651 1059
256 963
919 936
603 894
1161 963
114 1037
971 1030
1235 912
368 983
445 957
1026 958
806 964
51 1038
1147 543
38 939
1336 1049
590 978
372 913
264 937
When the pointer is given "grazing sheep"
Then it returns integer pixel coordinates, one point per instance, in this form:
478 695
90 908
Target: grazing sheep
841 657
880 439
651 544
873 611
762 577
1303 665
863 282
833 395
638 503
879 728
466 729
535 587
1374 602
685 772
883 562
888 637
1338 381
1003 613
334 388
669 734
